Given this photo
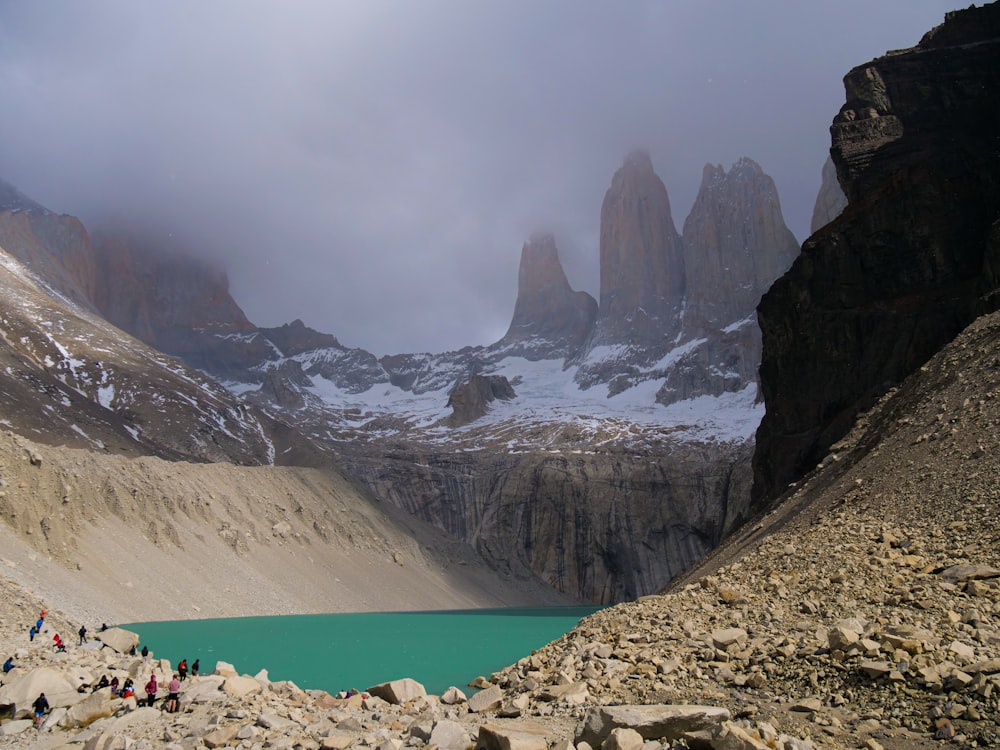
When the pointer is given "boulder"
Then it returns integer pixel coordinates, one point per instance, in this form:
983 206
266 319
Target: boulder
486 700
225 669
119 639
22 692
623 738
10 728
450 735
95 706
727 637
221 736
338 740
520 735
241 686
653 722
398 692
574 693
453 695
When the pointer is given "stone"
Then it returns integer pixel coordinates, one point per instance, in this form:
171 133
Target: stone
225 669
241 686
486 700
119 639
653 722
338 740
623 738
95 706
843 638
221 736
450 735
875 669
727 637
519 735
15 727
453 695
398 692
734 737
575 693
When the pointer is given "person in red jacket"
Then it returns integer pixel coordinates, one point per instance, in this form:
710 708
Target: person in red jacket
151 689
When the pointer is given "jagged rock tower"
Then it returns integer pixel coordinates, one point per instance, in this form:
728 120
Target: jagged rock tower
550 319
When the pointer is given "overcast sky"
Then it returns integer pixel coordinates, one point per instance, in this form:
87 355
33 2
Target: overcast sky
374 168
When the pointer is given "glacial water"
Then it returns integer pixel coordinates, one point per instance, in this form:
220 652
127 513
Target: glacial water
341 651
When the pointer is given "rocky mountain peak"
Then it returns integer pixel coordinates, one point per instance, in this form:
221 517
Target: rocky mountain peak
296 338
550 319
736 244
642 259
830 201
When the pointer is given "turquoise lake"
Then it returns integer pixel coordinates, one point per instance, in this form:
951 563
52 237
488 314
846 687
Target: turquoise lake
341 651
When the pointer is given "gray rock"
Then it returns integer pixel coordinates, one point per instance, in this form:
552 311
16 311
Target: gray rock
653 722
119 639
398 692
520 735
486 700
450 735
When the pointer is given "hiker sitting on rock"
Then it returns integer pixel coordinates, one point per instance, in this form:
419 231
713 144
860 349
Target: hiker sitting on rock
8 665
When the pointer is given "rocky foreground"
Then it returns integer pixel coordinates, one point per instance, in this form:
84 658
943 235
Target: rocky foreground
859 613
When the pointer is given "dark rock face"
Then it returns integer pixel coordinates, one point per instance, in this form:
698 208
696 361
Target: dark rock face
736 244
830 201
470 400
642 260
178 303
912 260
550 319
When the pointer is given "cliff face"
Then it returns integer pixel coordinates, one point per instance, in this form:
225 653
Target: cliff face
550 320
602 528
173 301
914 257
54 246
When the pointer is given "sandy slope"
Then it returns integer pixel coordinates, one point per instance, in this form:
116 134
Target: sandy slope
109 539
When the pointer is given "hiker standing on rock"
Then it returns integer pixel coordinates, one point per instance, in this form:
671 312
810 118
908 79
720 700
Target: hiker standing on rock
195 667
40 706
145 653
151 690
82 632
182 670
173 699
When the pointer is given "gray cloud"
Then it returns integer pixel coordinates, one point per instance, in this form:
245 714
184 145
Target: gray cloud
374 167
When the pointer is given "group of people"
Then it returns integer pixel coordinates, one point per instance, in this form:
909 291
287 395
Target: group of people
125 689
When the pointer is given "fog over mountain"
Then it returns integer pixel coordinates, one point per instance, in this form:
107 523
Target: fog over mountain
373 168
